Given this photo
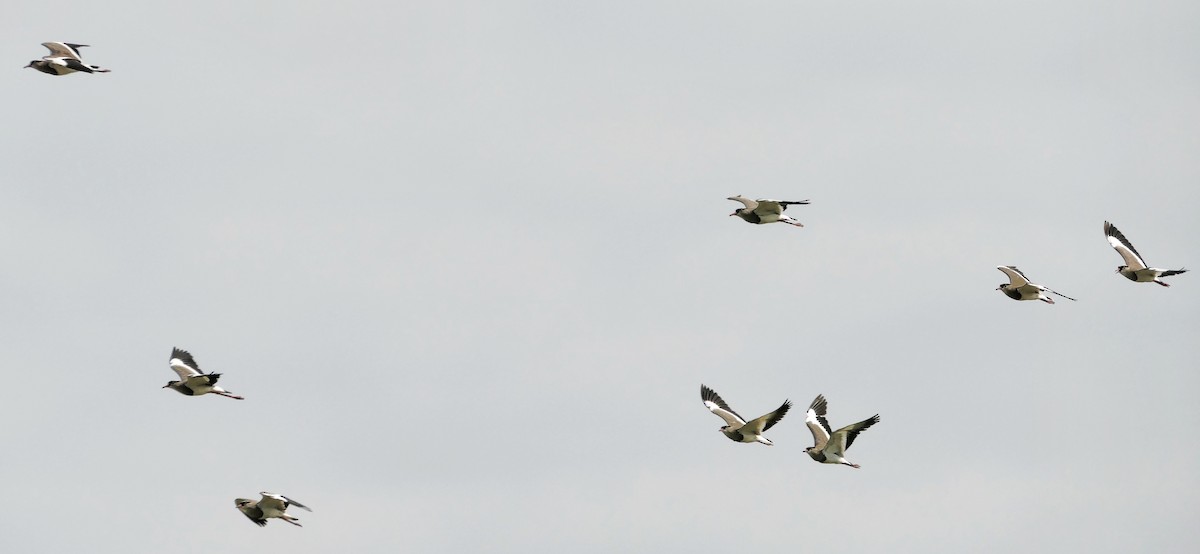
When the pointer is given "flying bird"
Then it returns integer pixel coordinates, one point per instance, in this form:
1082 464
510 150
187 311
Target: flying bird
760 212
271 505
736 427
1019 287
1135 268
194 382
63 59
830 446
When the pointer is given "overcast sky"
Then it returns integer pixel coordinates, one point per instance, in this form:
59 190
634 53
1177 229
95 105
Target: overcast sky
469 263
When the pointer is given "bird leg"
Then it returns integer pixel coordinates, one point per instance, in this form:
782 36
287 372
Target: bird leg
226 394
1161 283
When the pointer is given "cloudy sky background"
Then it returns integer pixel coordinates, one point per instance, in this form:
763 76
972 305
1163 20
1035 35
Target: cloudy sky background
469 263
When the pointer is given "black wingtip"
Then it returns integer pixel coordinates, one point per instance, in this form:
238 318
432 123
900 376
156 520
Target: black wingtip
185 357
818 405
1111 230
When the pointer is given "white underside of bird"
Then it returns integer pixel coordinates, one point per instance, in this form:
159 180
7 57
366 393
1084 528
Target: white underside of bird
1019 287
64 58
269 506
1135 269
736 427
829 447
191 381
763 211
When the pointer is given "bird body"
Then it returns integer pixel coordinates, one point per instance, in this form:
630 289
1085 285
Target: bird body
269 506
830 446
1135 269
1019 287
193 382
63 59
736 427
760 212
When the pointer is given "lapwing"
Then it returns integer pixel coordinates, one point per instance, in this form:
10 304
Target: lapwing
192 381
1135 268
63 59
830 446
760 212
737 428
270 505
1019 287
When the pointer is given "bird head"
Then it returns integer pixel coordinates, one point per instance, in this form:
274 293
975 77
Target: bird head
30 64
242 502
1121 268
170 384
735 212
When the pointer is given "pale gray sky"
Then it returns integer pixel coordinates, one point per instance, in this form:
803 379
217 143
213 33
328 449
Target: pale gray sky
469 263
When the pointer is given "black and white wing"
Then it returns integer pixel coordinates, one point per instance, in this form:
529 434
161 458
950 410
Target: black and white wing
1118 241
713 402
292 502
196 382
760 424
841 439
253 513
272 502
64 50
786 203
183 364
74 64
817 424
748 203
768 207
1015 277
278 502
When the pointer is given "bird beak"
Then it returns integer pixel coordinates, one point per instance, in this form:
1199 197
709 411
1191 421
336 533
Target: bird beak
165 386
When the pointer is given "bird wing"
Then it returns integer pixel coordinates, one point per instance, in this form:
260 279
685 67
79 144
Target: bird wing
760 424
817 424
713 402
748 203
271 501
292 502
183 364
64 50
768 207
785 203
1015 277
253 513
74 64
202 380
844 437
1118 241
